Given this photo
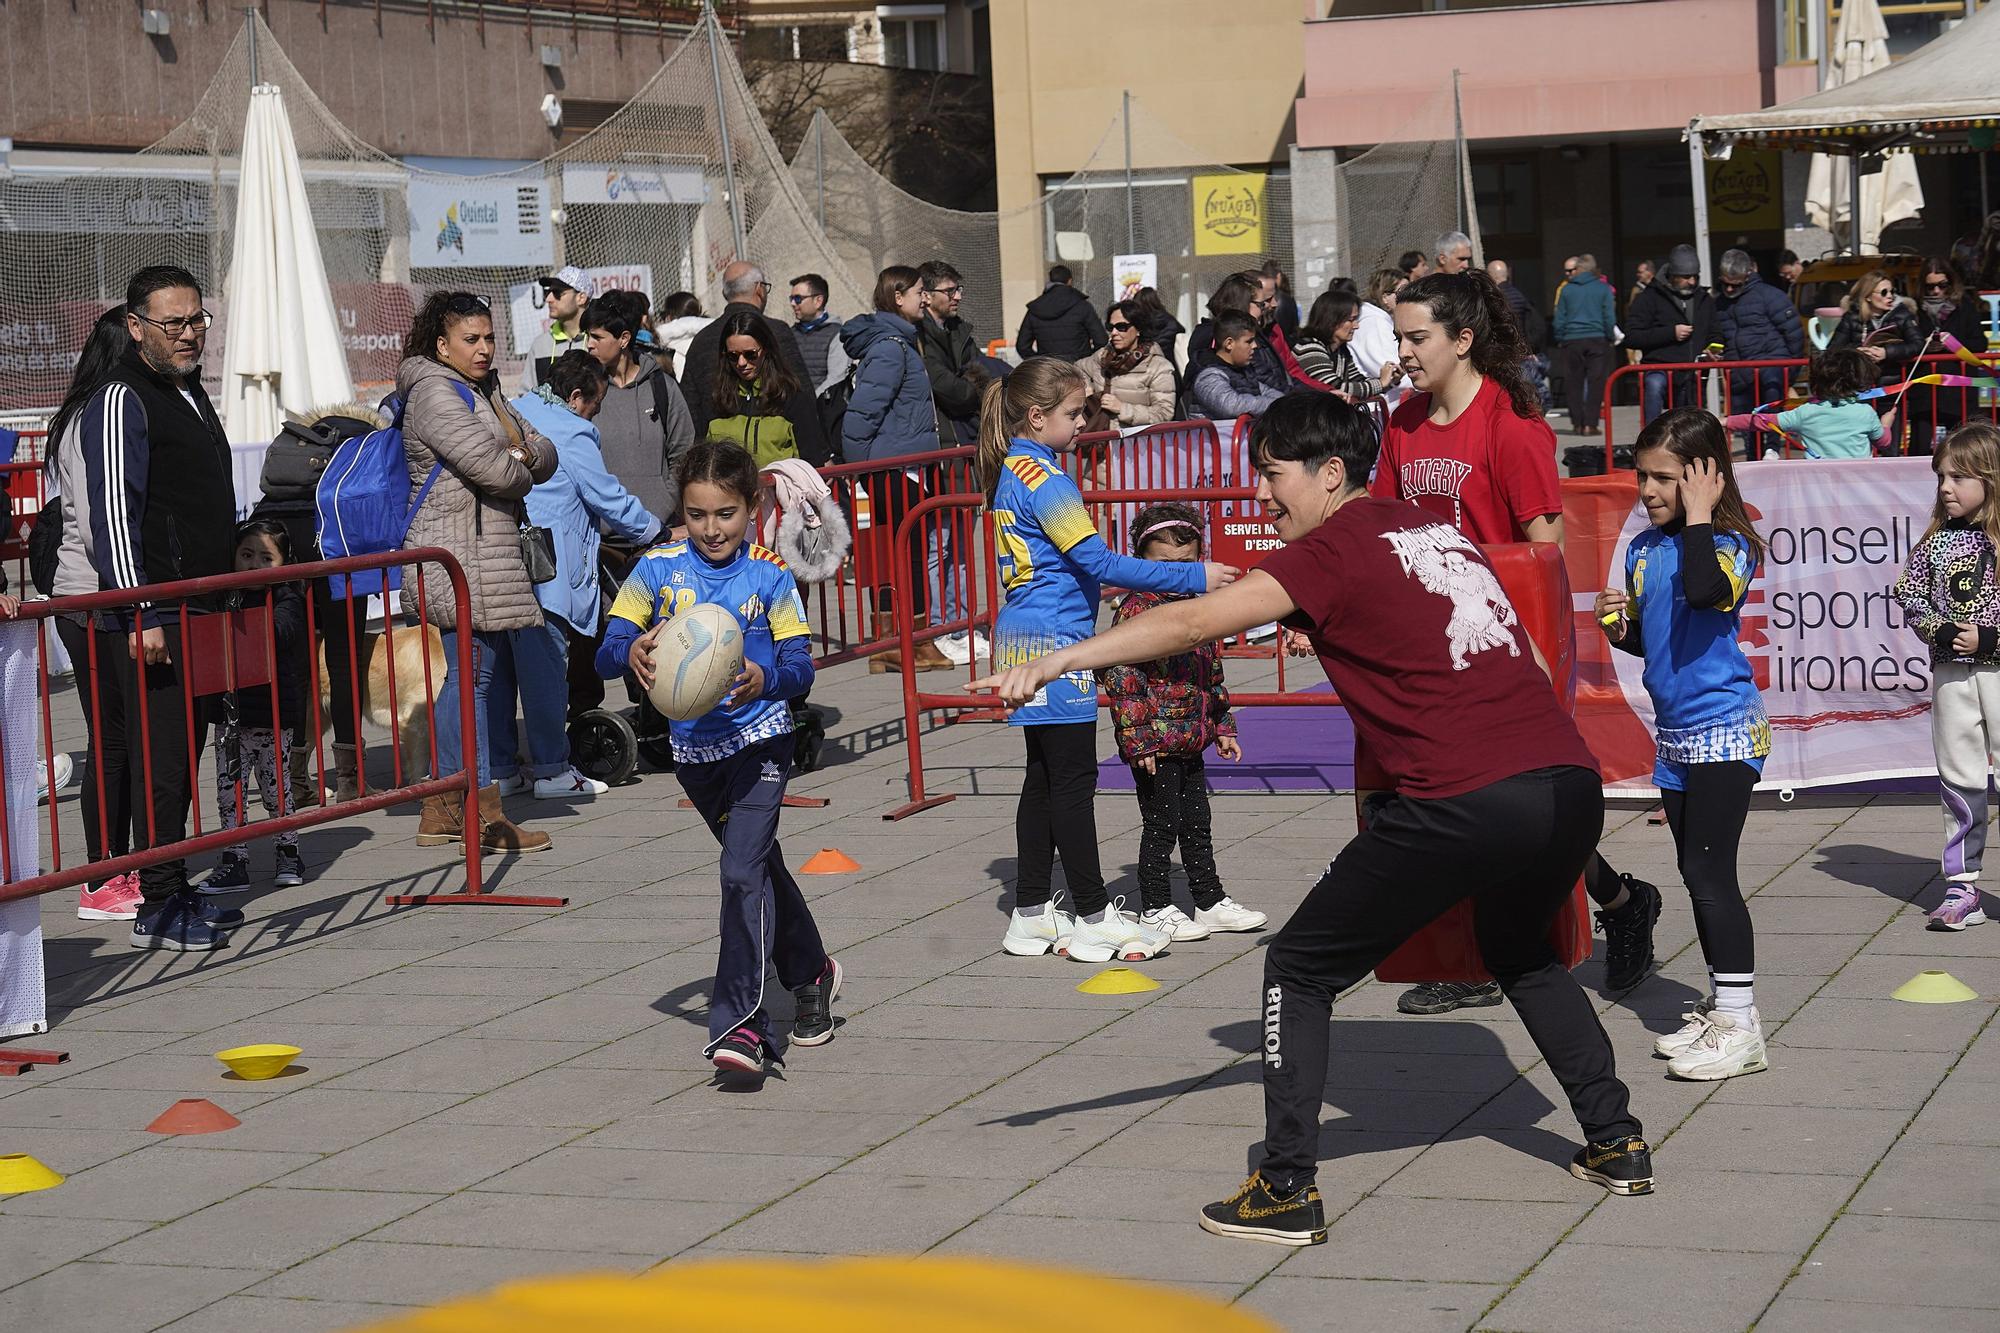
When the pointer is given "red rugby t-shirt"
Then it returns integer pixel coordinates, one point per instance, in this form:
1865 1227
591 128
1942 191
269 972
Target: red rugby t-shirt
1486 474
1425 650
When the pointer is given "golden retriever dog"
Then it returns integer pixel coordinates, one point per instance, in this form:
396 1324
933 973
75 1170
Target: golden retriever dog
404 707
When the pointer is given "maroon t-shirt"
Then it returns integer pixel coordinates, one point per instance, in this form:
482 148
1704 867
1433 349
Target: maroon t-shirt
1427 653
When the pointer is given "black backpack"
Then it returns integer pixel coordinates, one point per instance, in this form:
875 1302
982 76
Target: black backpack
44 545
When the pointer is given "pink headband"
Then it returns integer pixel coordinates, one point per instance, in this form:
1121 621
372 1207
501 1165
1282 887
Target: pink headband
1162 526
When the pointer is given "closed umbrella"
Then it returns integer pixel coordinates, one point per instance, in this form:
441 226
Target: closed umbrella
281 339
1861 47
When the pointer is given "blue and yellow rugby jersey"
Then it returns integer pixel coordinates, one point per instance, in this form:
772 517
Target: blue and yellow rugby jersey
1052 565
1706 705
758 587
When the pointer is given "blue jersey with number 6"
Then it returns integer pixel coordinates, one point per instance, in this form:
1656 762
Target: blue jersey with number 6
1053 566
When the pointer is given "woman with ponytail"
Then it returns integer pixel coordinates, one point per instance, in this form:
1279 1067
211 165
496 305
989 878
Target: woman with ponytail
1052 563
1471 447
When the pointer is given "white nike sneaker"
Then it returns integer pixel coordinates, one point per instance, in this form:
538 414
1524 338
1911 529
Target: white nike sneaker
1116 936
1229 915
1173 923
515 784
569 782
1674 1043
957 648
1028 936
1732 1045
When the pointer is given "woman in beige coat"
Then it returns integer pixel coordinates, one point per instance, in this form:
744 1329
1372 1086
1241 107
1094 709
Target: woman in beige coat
486 459
1129 383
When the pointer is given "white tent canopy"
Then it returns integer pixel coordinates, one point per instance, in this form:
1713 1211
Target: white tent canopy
1949 79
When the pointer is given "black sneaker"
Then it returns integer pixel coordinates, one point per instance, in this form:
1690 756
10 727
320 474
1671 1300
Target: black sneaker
741 1052
1623 1166
176 923
1255 1213
231 875
1628 936
215 914
291 869
813 1025
1441 997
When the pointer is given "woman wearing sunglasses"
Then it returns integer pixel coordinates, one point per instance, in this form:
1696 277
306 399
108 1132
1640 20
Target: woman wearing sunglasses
1884 330
1944 305
759 402
1128 382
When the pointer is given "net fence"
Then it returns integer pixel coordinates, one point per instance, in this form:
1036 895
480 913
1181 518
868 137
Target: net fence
651 199
1404 194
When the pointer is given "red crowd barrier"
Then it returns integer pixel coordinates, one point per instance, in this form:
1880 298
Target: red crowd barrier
234 649
1731 387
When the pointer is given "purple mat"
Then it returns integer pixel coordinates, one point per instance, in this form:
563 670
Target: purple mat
1284 749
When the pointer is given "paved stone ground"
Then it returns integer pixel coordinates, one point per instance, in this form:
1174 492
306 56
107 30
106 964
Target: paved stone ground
487 1094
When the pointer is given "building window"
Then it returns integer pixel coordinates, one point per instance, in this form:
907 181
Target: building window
797 41
982 41
912 36
1505 194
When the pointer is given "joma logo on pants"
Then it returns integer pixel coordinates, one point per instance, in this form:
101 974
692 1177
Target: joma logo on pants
1272 999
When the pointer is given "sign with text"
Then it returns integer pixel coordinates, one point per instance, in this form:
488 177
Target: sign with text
480 222
1131 272
1229 213
1747 191
1241 540
625 183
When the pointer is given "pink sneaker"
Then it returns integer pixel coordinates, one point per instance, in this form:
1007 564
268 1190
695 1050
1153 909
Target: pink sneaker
1959 909
117 899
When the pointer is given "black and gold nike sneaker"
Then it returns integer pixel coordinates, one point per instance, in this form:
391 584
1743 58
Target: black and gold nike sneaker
1256 1212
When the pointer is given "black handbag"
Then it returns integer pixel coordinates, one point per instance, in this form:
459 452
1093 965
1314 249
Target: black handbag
538 551
294 461
44 546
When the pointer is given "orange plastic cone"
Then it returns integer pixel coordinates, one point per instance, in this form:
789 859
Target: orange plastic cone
830 861
193 1115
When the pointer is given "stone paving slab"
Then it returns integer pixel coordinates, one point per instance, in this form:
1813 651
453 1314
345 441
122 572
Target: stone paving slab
492 1094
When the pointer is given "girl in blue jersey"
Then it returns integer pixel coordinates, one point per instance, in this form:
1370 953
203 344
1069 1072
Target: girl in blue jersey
1051 564
1682 610
734 759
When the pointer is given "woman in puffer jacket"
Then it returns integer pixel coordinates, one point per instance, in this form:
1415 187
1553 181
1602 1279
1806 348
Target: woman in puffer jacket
480 460
1885 331
1129 382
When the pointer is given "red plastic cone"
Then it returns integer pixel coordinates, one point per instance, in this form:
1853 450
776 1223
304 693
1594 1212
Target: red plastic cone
830 861
193 1115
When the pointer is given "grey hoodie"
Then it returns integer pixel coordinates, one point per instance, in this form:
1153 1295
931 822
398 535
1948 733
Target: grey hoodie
638 449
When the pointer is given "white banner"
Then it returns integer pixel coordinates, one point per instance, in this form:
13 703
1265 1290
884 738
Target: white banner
530 318
626 183
1847 686
476 222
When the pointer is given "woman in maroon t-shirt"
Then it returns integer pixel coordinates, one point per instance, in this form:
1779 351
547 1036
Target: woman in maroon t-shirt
1493 794
1471 447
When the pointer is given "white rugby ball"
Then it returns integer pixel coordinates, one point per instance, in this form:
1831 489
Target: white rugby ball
696 661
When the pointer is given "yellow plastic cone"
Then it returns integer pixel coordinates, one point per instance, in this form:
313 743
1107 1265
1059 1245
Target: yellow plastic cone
1118 981
22 1174
1934 987
830 861
267 1060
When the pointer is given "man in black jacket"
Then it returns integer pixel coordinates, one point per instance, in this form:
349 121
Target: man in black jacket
1672 322
1060 322
162 506
951 357
744 287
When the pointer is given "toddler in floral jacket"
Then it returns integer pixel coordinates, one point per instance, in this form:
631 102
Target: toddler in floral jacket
1167 714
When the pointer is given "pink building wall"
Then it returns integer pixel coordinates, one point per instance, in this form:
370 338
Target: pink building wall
1543 71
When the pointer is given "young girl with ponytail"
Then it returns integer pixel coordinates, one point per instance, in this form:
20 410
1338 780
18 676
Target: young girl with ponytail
1052 563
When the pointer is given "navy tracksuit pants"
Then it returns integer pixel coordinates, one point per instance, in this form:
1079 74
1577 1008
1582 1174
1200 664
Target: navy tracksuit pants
765 920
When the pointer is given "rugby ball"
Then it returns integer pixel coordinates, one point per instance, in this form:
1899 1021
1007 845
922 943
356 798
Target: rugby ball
696 661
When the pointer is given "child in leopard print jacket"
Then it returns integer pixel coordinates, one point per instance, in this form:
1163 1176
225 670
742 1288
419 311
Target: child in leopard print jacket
1167 713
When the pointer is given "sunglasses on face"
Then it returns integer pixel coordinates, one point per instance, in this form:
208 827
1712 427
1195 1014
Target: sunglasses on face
1121 328
1937 286
796 299
753 356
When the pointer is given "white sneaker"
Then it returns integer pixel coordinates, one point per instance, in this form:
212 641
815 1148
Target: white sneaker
569 782
1674 1043
957 648
1173 923
982 647
1732 1045
1028 936
1116 936
1229 915
65 773
514 785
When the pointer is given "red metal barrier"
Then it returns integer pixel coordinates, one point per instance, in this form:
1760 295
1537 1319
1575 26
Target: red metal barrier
965 705
21 483
233 650
1731 387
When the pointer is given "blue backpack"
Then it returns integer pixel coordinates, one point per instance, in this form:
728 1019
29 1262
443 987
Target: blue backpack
363 504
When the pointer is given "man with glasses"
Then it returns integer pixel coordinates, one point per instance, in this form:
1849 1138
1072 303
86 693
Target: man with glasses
564 294
744 287
163 507
1671 323
958 376
817 331
1754 322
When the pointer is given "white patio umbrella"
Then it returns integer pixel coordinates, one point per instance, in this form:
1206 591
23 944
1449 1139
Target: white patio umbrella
1860 47
281 338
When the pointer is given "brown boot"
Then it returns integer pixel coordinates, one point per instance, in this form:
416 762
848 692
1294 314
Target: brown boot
890 659
930 659
347 773
497 833
443 820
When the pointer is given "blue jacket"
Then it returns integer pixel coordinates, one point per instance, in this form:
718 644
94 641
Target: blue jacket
1586 307
572 504
1758 324
890 412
